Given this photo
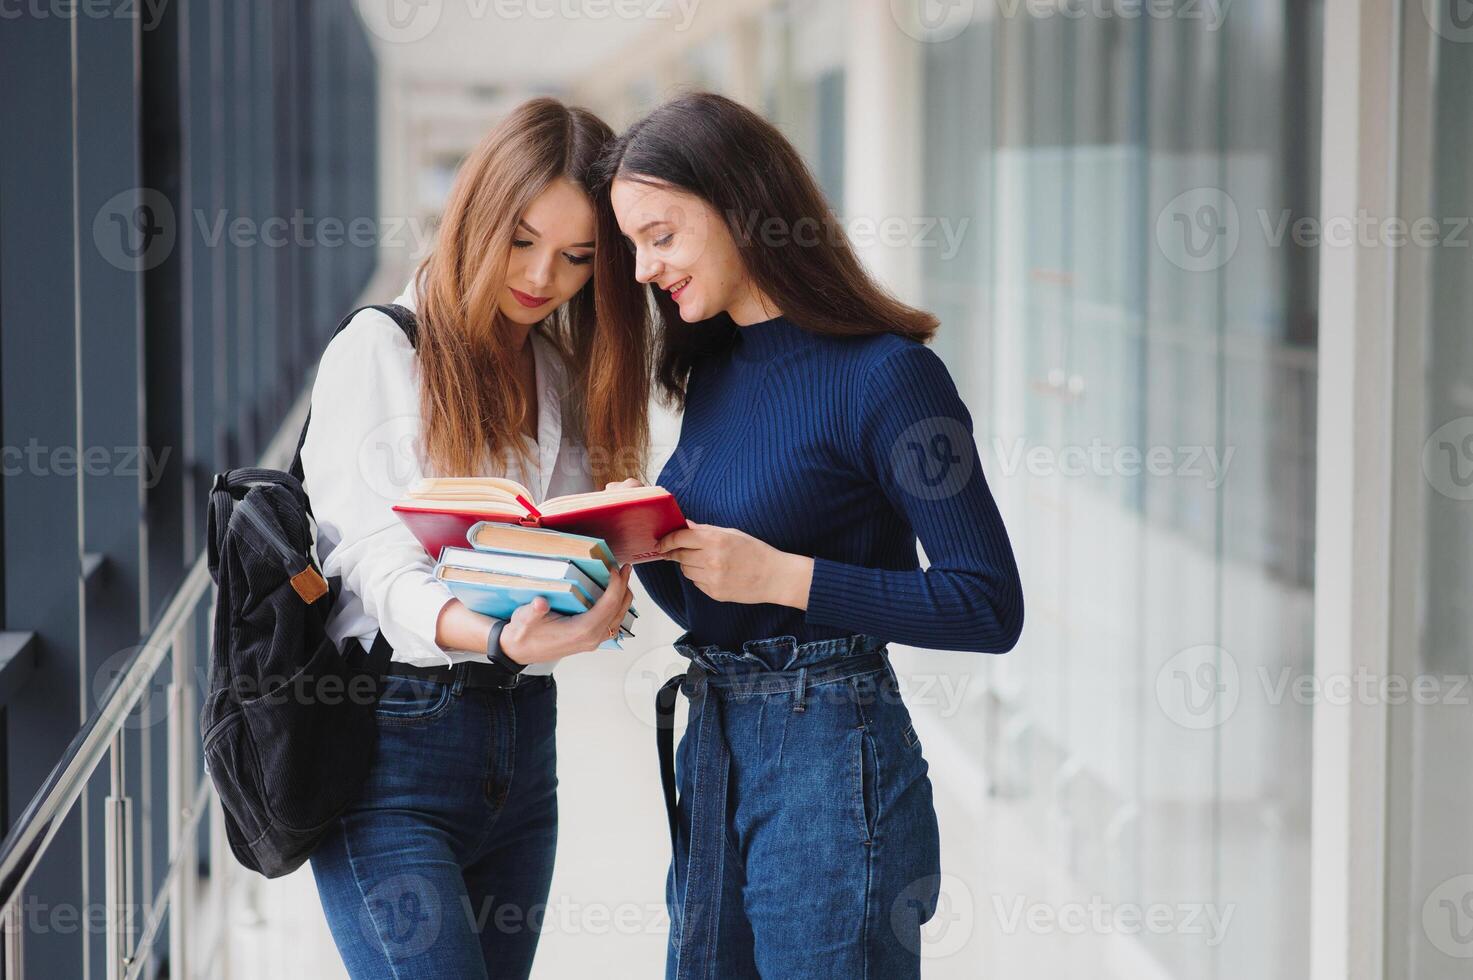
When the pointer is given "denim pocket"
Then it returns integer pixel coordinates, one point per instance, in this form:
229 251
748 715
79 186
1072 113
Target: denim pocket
869 775
408 699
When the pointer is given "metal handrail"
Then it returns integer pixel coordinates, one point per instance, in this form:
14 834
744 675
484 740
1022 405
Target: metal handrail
99 739
38 824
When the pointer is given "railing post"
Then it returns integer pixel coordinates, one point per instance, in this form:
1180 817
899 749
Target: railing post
221 884
15 960
181 797
119 834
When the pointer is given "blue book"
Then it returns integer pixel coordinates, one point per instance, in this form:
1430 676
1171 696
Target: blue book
500 594
532 565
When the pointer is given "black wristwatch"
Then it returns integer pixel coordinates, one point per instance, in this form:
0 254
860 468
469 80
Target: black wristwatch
495 654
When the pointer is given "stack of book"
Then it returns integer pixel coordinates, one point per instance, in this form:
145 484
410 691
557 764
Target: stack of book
564 550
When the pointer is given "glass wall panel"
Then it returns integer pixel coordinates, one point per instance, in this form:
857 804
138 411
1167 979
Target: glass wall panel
1430 849
801 66
1138 347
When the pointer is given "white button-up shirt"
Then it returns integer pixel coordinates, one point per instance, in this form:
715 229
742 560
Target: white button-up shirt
363 453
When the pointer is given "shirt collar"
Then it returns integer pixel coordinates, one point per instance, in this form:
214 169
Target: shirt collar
769 338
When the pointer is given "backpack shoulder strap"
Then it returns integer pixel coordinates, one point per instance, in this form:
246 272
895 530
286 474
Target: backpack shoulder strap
376 662
402 316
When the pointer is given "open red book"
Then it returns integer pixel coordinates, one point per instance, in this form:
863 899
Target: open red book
441 510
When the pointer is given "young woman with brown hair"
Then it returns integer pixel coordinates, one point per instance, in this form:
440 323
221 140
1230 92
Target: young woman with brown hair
441 868
820 439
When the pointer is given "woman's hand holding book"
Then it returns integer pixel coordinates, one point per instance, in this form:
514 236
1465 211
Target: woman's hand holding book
535 634
730 565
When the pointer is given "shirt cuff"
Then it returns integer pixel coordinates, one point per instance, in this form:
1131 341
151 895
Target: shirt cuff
417 610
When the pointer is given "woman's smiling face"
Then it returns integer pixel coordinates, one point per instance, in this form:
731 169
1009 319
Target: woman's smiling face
551 255
681 245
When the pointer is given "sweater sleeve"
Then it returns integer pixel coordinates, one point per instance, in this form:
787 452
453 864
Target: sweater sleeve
913 437
358 460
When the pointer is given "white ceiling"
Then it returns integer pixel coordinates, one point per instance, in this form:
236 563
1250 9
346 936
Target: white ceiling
512 44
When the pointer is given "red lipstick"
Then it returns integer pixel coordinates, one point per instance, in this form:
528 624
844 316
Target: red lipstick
529 300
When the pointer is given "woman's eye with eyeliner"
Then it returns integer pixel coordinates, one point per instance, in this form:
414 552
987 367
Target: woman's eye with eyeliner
578 259
520 243
662 242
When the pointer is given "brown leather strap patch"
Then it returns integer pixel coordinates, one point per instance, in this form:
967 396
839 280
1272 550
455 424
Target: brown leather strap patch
310 585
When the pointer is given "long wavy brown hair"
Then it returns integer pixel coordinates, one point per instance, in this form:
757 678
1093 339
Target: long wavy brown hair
742 165
470 414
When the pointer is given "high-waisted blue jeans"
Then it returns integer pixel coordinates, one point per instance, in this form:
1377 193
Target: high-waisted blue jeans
805 839
442 867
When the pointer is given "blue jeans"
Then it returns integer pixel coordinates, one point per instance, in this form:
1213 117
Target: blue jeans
805 839
441 869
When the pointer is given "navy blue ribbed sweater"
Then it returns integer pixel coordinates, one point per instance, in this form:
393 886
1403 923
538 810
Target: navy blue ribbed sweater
845 449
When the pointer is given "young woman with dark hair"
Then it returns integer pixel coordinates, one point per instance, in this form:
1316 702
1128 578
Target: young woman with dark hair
820 439
441 868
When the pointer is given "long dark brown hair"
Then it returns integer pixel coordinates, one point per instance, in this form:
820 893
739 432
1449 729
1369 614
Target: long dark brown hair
463 347
740 164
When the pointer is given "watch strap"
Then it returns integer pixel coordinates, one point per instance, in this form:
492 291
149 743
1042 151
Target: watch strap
496 655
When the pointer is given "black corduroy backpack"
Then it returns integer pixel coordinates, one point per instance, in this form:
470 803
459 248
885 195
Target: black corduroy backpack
287 724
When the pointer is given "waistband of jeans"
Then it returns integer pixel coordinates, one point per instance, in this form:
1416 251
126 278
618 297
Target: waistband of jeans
776 653
472 675
753 682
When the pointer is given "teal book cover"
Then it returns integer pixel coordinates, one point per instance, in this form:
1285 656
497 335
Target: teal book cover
501 599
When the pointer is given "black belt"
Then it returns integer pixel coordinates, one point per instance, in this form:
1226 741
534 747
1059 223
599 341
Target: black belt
478 673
